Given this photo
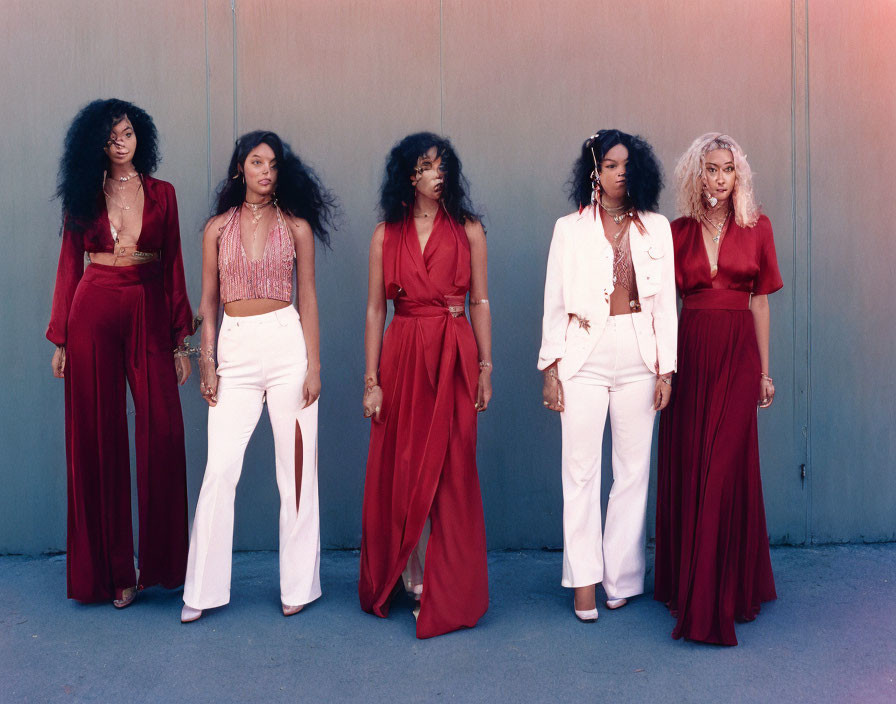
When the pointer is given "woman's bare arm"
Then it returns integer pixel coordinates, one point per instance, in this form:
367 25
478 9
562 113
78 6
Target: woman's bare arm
480 312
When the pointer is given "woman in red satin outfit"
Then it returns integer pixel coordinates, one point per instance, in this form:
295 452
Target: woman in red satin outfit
123 319
712 555
425 381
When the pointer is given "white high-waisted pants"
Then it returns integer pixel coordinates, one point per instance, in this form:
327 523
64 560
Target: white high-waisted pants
614 376
260 356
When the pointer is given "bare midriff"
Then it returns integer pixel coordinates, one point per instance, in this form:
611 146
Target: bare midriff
253 306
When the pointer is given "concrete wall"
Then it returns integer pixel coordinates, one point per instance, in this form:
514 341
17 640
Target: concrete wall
517 86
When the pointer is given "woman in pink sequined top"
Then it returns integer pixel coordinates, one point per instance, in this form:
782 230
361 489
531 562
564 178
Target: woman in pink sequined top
269 211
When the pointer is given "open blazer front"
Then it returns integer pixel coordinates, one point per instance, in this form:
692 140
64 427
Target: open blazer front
579 283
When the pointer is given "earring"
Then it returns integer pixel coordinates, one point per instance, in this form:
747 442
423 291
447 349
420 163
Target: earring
712 200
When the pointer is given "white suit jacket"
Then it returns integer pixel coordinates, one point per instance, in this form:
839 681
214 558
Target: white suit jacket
578 286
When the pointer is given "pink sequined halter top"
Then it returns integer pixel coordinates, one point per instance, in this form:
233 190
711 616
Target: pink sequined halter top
268 277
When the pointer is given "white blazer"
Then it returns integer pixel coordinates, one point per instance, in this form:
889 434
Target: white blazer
579 282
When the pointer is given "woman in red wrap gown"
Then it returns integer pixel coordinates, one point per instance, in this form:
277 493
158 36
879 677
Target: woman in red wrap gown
122 320
712 555
425 380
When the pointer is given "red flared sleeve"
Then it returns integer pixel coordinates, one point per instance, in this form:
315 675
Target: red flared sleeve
179 310
768 280
68 274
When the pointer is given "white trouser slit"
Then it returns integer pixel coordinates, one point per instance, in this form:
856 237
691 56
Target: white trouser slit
259 357
614 378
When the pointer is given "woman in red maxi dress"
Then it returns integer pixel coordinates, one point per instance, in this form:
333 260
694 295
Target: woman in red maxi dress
425 381
712 554
124 320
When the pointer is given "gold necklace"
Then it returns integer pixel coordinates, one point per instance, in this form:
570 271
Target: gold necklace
717 227
256 209
617 212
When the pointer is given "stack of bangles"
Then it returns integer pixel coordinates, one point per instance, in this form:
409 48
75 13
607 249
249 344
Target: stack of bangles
206 354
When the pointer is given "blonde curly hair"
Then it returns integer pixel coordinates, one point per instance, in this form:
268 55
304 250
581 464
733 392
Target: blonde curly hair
689 178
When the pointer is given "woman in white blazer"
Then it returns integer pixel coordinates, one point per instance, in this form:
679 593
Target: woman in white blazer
608 343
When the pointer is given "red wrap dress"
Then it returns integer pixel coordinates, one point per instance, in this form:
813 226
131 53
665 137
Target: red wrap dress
120 325
422 457
712 555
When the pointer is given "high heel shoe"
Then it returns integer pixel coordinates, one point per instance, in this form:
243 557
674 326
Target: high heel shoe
586 616
188 614
126 599
291 610
616 603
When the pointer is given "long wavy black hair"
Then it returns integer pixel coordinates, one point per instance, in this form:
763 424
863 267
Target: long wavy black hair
80 180
299 192
643 174
397 191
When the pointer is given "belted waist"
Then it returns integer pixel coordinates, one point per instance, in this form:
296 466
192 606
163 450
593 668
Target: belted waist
717 298
135 275
406 308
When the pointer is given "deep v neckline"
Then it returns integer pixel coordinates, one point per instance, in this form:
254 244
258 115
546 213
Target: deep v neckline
422 248
142 220
267 239
722 238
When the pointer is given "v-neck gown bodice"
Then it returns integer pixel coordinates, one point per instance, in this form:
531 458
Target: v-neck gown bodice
422 457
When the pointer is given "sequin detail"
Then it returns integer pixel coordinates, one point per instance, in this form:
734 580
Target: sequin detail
242 278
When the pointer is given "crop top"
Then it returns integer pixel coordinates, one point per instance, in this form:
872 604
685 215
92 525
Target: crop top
269 277
160 233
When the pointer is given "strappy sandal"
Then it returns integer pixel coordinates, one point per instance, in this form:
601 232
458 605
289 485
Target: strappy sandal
126 599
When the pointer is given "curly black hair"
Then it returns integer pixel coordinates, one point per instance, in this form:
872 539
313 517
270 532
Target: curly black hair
644 175
397 191
80 180
299 191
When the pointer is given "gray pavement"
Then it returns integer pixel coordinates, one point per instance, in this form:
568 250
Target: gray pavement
830 637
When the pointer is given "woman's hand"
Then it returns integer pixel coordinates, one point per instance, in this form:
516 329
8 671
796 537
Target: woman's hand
373 402
208 379
483 389
766 391
662 392
184 368
58 362
552 391
311 387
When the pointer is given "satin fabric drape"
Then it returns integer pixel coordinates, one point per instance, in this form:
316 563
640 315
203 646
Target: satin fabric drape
422 457
712 556
118 333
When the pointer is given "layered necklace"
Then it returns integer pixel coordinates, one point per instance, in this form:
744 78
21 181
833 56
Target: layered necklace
257 209
618 212
717 227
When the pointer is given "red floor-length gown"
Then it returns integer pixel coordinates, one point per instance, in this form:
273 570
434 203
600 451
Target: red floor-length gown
712 556
422 457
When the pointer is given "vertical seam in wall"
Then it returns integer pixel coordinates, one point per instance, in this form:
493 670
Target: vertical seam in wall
809 535
441 75
800 189
233 39
208 106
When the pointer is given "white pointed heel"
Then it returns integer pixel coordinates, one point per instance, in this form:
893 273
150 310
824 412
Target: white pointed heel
189 614
587 616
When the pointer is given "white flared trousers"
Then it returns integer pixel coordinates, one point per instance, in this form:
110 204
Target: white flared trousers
614 377
259 357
